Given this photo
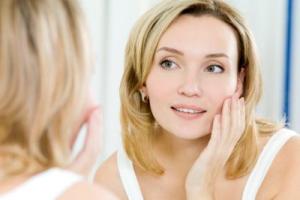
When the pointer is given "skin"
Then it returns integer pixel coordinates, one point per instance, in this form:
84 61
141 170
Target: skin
195 67
85 160
200 78
92 118
227 129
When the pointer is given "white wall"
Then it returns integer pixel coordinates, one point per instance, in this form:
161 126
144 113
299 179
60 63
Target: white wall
119 23
111 20
295 110
267 21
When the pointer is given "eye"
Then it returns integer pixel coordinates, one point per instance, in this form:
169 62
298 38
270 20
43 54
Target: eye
168 64
215 69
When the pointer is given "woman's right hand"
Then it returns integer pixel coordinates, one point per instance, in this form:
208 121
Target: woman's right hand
226 132
85 160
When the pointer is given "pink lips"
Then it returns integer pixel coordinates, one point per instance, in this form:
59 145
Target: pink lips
188 112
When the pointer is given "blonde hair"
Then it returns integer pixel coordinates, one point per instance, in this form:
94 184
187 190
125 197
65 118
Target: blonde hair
44 68
138 123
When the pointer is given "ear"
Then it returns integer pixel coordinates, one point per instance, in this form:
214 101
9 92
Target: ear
143 89
240 82
144 93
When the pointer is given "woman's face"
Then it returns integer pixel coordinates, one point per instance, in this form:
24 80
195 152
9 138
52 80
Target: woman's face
194 70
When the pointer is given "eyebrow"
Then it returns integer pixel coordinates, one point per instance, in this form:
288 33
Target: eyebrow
211 55
216 55
169 49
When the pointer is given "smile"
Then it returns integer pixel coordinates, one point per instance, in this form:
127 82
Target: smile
188 112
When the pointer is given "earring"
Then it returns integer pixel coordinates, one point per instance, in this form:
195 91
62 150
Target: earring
144 97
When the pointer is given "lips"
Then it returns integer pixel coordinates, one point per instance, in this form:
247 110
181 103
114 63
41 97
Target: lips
188 112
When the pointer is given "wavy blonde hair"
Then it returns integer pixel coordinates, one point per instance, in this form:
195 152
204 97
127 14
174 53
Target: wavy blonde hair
44 68
138 123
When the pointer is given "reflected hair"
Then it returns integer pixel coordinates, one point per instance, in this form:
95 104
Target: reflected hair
44 69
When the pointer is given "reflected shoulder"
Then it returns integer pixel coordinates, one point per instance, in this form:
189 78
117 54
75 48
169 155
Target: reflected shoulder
107 176
86 190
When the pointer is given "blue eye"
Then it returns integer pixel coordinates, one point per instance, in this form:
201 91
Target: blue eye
167 64
215 69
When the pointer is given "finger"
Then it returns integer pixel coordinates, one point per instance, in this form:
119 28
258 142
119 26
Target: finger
225 118
234 121
216 130
94 131
212 145
242 114
88 108
235 95
86 158
239 119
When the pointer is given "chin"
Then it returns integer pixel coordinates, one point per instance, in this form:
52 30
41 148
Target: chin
191 135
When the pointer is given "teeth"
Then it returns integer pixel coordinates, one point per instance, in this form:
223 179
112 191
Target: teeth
185 110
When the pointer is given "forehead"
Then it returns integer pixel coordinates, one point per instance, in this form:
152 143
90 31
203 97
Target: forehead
200 34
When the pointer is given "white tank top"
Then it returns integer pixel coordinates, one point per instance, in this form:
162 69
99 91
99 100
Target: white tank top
48 185
265 159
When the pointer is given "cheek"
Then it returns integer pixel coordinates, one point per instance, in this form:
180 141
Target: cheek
159 94
159 86
218 93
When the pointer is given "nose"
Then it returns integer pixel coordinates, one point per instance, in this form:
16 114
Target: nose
190 85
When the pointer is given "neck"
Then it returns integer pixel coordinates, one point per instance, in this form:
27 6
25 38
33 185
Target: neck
174 151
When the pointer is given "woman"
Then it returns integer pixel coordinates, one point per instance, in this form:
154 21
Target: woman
188 93
44 73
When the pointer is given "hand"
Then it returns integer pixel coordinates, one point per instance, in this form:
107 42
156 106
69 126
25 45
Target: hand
226 131
86 158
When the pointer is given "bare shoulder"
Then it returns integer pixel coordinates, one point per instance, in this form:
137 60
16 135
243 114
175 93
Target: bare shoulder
290 153
86 190
108 177
290 160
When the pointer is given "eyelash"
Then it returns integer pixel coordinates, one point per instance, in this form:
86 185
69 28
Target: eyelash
215 65
161 63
